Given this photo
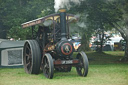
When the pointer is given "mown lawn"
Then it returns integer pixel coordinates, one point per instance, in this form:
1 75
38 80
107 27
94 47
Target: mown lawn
104 69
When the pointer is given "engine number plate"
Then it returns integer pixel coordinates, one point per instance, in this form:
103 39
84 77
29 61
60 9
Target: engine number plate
67 62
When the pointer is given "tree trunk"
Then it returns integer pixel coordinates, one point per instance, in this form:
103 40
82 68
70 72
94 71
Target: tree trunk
3 34
126 50
125 36
101 44
84 43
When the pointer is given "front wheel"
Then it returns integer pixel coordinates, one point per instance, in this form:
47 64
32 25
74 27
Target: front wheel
82 68
48 66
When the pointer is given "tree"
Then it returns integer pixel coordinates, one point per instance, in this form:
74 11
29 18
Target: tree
15 12
107 14
122 24
96 12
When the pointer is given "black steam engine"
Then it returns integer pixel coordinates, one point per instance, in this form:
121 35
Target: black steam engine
50 48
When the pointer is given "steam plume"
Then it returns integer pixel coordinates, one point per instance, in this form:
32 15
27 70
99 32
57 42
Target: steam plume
64 3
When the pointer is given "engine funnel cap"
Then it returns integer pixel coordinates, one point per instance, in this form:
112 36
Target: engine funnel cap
62 10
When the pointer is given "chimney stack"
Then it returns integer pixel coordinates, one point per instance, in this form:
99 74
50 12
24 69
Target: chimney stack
63 24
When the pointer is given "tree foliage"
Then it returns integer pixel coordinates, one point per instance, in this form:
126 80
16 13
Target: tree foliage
95 14
106 14
122 24
15 12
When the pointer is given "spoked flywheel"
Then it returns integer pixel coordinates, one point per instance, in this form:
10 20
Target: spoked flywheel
31 57
82 68
48 67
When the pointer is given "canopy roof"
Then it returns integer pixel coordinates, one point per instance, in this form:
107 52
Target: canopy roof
11 44
53 17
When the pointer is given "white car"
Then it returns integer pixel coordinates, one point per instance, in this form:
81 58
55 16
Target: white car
113 40
109 43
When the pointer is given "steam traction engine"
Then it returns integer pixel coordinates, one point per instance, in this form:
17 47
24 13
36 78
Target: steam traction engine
50 49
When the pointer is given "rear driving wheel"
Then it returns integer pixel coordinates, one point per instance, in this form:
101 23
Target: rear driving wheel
31 57
48 66
82 68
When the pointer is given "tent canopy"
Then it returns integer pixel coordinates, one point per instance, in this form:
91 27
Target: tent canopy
10 44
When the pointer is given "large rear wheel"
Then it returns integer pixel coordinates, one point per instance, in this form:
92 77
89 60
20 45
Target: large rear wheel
31 57
82 68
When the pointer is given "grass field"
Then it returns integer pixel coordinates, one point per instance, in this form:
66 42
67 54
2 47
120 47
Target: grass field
104 69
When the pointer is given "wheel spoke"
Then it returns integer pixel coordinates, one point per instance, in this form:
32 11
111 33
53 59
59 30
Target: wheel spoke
28 65
82 71
46 66
27 55
47 71
27 47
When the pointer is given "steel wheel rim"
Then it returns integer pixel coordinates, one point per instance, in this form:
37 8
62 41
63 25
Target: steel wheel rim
28 58
81 65
46 67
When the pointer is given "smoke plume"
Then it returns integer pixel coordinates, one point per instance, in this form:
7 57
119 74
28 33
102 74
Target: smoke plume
65 3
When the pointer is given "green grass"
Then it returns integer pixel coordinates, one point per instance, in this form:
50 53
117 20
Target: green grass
104 69
108 57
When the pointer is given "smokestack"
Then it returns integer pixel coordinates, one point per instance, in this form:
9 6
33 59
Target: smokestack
63 23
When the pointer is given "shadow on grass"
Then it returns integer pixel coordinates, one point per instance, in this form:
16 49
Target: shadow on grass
71 74
108 57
